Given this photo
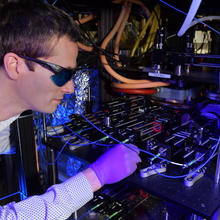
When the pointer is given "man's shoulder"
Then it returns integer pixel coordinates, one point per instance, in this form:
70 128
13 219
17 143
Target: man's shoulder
4 124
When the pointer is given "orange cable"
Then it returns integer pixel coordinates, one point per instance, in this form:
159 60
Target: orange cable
86 19
150 84
84 47
104 45
119 35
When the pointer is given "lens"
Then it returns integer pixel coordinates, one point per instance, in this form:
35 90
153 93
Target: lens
61 78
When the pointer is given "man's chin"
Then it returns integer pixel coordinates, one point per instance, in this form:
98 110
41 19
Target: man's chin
49 110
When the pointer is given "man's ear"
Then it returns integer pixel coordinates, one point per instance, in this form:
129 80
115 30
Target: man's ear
13 65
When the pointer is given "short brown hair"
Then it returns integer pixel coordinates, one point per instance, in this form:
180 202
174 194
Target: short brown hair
27 26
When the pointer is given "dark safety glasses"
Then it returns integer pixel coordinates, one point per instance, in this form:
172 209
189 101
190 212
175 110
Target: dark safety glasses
62 75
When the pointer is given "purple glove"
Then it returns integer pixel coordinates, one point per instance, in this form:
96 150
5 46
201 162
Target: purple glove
116 164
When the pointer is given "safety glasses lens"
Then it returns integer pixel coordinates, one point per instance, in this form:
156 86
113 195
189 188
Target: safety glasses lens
62 78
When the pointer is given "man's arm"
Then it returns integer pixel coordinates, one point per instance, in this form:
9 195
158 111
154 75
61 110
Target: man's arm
93 179
61 200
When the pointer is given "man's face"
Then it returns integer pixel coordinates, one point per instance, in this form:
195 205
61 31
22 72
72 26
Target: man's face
36 89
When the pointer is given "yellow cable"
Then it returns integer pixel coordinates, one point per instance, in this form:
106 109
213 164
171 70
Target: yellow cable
149 38
153 30
152 35
156 28
141 35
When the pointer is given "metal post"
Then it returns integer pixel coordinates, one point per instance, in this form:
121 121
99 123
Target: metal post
44 128
52 167
52 172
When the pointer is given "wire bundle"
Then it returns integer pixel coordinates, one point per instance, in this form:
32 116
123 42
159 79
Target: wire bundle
126 84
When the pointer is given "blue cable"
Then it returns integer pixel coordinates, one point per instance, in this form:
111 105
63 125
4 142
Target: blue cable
156 155
42 154
129 146
198 168
66 142
59 153
79 145
51 163
193 19
90 142
135 148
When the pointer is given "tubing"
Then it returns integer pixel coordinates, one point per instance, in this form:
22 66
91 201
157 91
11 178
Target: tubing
138 2
82 21
119 35
127 83
149 84
136 91
208 18
190 15
86 19
119 26
84 47
104 45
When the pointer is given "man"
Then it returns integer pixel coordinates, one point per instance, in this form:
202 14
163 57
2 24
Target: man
38 52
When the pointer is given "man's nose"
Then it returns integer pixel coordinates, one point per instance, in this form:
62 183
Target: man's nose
68 88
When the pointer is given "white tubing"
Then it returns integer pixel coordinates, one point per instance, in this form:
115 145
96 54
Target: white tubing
208 18
191 14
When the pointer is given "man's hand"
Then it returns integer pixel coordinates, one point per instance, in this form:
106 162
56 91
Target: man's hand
116 164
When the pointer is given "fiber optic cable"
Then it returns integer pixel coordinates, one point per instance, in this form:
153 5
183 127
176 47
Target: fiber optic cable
129 146
197 169
74 134
135 148
59 153
90 142
78 145
67 142
96 142
159 154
